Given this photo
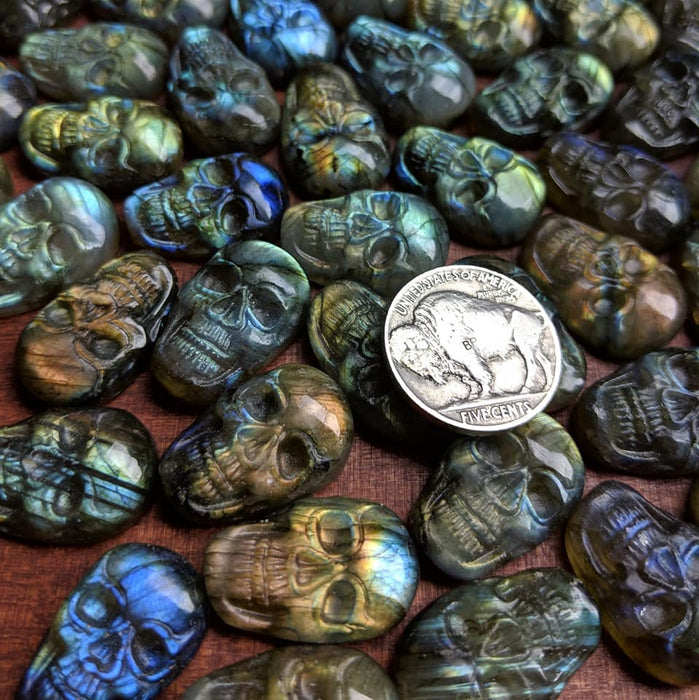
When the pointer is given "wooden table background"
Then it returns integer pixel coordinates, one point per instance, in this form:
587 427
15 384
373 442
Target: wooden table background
34 579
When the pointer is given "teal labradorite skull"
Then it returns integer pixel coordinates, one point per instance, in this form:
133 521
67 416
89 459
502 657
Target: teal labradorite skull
96 59
113 142
74 476
238 312
379 238
330 569
90 342
55 233
521 636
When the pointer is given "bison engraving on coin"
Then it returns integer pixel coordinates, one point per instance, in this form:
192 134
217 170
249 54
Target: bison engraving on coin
472 348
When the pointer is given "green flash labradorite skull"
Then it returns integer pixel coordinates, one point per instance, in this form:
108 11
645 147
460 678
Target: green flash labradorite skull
89 343
96 59
331 569
379 238
496 497
55 233
641 566
74 476
238 312
116 143
298 671
520 636
274 438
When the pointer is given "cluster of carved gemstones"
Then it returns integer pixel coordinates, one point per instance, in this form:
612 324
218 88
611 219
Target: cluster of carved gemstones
449 171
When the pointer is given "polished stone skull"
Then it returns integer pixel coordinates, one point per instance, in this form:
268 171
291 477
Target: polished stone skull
55 233
21 17
644 419
659 112
544 92
223 100
641 565
74 476
128 628
512 636
275 438
329 570
379 238
413 78
97 59
282 36
92 339
113 142
610 291
332 139
494 498
239 311
207 204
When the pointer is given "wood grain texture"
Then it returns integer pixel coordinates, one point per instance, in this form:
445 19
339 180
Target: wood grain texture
35 579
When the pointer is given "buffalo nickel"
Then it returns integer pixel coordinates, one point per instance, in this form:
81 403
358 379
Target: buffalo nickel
472 349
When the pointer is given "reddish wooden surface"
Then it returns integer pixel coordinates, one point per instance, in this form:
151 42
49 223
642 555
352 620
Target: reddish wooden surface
35 579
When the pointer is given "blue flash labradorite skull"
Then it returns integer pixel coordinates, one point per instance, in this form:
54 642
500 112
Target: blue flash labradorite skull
615 296
238 312
622 33
618 189
165 17
641 566
275 438
573 363
330 569
345 329
659 110
131 625
342 12
643 418
332 139
379 238
547 91
74 476
495 497
283 36
52 235
222 99
519 636
21 17
96 59
490 34
413 78
89 343
489 195
328 671
116 143
17 96
206 205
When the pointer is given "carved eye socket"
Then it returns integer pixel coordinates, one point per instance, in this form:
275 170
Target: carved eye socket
108 154
149 651
235 214
336 532
59 314
221 172
102 72
574 97
622 206
429 53
62 244
265 307
293 459
69 494
384 252
544 494
220 278
358 123
339 603
195 95
672 71
97 605
301 18
246 81
102 347
261 404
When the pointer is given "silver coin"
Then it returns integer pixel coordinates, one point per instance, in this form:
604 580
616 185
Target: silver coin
472 349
